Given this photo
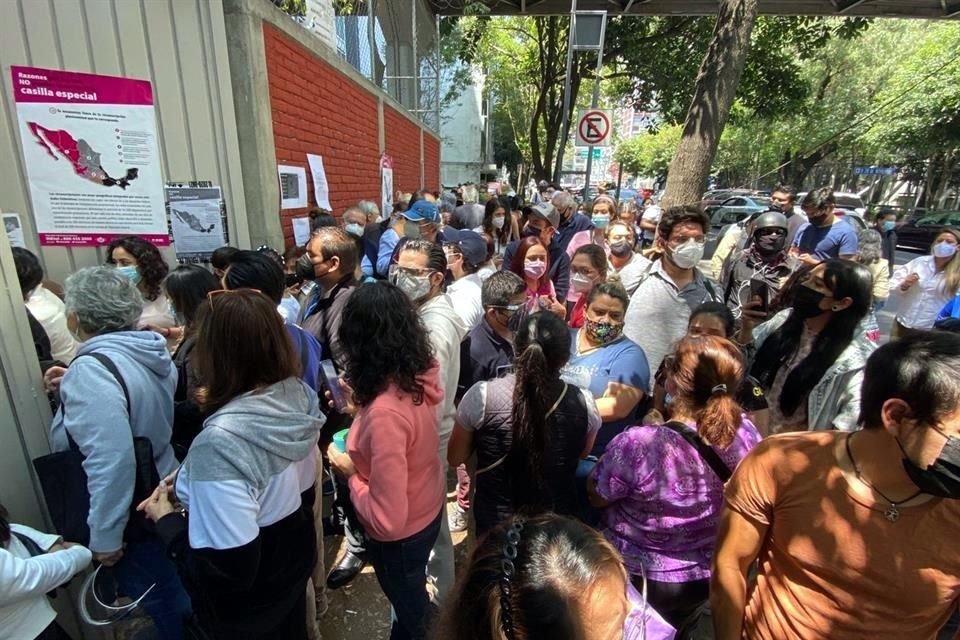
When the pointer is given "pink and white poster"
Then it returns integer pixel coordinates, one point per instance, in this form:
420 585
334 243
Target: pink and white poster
90 149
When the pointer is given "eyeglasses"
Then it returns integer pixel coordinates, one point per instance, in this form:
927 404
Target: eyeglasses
410 271
510 308
219 292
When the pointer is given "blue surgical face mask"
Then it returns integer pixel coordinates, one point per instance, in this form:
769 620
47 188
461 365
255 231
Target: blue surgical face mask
889 225
130 273
354 229
601 220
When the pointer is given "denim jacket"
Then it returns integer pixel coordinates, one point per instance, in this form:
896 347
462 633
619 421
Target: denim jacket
834 402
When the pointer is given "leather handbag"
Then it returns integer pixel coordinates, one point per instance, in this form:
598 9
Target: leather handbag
64 481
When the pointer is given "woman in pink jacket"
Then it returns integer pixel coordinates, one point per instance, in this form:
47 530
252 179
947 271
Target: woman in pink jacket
391 465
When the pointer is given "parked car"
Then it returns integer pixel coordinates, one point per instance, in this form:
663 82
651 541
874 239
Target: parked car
736 209
854 219
846 203
717 197
918 234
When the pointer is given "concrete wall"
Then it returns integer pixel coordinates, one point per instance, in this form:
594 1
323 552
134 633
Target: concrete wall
318 104
178 45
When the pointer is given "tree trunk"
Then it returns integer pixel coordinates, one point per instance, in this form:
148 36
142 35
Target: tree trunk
713 96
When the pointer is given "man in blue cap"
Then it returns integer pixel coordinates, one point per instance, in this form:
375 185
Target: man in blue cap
466 250
420 221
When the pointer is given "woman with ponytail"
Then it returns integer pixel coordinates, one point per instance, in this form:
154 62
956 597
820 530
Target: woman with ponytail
660 488
529 429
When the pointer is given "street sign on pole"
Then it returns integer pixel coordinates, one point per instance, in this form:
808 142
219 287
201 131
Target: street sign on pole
875 171
593 128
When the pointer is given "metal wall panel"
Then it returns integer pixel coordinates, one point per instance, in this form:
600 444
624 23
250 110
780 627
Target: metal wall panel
179 45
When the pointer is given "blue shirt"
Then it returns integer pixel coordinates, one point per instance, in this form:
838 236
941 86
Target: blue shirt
621 361
388 241
310 353
839 239
950 310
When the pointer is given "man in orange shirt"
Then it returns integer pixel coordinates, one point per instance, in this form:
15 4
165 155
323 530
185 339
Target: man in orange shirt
855 533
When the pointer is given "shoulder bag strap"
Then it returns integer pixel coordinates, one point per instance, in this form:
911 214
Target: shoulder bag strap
112 368
706 452
549 413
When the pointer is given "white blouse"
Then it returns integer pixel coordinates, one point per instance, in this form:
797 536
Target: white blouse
25 581
921 303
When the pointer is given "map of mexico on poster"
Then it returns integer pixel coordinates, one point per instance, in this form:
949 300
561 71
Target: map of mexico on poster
91 154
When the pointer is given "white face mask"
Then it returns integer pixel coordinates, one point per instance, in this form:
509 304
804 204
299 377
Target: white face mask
580 283
688 255
944 250
498 222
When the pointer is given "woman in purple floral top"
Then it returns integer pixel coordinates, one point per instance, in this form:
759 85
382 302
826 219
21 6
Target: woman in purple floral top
661 501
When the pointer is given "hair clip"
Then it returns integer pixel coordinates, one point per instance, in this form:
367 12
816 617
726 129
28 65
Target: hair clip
508 570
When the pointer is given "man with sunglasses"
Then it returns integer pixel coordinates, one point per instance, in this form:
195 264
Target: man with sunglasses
760 268
487 351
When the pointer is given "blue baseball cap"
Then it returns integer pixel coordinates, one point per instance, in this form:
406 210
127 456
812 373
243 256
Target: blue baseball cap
471 244
422 211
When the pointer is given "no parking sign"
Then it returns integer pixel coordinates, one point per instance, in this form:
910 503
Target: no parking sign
593 128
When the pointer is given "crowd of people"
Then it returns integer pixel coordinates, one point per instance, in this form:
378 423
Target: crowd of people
641 446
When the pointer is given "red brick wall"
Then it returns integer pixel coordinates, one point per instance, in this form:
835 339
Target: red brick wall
316 109
403 145
431 162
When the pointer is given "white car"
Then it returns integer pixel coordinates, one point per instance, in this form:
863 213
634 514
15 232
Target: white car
846 203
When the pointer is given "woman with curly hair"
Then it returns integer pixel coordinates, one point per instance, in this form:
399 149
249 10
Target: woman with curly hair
141 262
391 465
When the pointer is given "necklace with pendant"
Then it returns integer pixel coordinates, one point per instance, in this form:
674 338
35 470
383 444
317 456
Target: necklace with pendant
891 513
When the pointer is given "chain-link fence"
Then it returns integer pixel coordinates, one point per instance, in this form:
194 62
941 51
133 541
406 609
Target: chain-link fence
393 43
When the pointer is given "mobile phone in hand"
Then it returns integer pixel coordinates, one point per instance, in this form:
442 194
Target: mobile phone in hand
332 382
760 289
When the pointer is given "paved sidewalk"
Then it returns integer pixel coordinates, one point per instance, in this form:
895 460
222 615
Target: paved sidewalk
360 611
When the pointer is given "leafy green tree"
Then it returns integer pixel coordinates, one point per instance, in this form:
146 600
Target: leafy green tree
649 154
919 123
652 61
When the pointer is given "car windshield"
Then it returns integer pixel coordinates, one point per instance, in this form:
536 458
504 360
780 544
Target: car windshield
849 202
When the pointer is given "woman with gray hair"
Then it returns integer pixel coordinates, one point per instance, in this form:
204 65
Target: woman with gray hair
370 209
120 386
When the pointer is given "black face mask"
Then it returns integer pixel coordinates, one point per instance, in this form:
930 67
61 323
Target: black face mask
514 321
942 478
769 245
806 302
304 268
621 248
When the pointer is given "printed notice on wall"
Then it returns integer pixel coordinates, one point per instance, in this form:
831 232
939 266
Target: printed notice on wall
196 221
91 156
14 228
293 187
321 189
386 186
301 231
